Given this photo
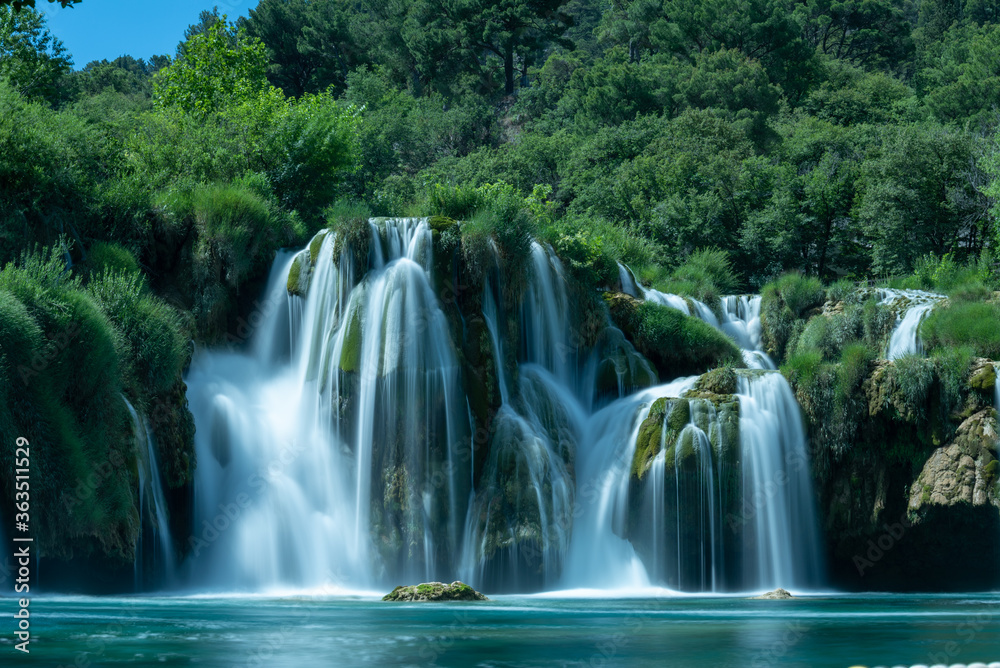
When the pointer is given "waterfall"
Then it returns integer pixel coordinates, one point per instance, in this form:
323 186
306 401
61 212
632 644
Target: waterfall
152 506
352 458
741 321
905 339
740 316
782 537
599 557
349 440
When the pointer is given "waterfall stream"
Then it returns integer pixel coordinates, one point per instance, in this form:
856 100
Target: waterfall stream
152 507
905 339
344 446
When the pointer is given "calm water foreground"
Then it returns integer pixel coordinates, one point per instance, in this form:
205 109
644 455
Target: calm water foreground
835 630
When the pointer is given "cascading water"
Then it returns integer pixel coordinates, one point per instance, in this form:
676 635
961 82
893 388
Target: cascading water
724 504
342 442
782 534
352 459
741 321
152 508
599 557
905 339
740 316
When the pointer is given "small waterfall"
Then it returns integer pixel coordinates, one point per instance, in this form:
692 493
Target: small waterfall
905 339
740 317
782 537
152 508
628 282
741 321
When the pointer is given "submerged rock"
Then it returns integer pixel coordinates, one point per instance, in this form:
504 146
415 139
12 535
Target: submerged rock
776 595
435 591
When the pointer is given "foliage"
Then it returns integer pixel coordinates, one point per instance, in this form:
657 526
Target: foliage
32 60
217 68
964 324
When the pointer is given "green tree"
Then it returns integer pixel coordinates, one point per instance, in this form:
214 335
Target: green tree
514 32
310 44
18 5
871 33
915 195
31 58
215 68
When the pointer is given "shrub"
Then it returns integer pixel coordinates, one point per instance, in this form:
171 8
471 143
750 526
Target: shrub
802 367
855 363
784 301
112 257
706 275
974 291
842 290
975 325
153 336
912 377
677 344
61 377
952 366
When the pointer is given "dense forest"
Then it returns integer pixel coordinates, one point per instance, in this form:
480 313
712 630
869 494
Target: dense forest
793 149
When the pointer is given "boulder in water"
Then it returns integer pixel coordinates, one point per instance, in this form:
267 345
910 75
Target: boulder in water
435 591
776 595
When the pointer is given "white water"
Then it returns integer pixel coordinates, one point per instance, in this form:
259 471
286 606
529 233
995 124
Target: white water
778 504
152 503
293 457
905 339
340 446
598 556
740 316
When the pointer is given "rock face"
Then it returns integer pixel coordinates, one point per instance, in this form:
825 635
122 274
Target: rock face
776 595
435 591
913 503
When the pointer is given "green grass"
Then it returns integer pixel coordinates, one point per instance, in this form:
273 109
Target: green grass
975 325
681 344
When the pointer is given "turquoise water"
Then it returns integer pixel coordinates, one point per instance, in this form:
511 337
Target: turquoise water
509 631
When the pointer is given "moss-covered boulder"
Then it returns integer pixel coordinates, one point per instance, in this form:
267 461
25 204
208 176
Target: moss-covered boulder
675 343
434 591
984 376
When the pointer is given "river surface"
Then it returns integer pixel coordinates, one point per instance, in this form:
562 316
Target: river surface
544 630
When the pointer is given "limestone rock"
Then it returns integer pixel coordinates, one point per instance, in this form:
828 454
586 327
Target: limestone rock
963 471
776 595
435 591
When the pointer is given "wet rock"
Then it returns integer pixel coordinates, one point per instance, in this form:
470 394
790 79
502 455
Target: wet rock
435 591
776 595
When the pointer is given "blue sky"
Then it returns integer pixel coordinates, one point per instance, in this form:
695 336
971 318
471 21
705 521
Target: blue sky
96 29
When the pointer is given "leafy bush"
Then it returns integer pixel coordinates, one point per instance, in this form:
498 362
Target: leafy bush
107 256
61 377
975 325
952 366
784 301
855 363
154 341
706 275
912 376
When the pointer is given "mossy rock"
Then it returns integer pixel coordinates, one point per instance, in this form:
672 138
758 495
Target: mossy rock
298 276
718 381
649 439
315 245
675 343
350 352
680 415
441 223
434 591
985 379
